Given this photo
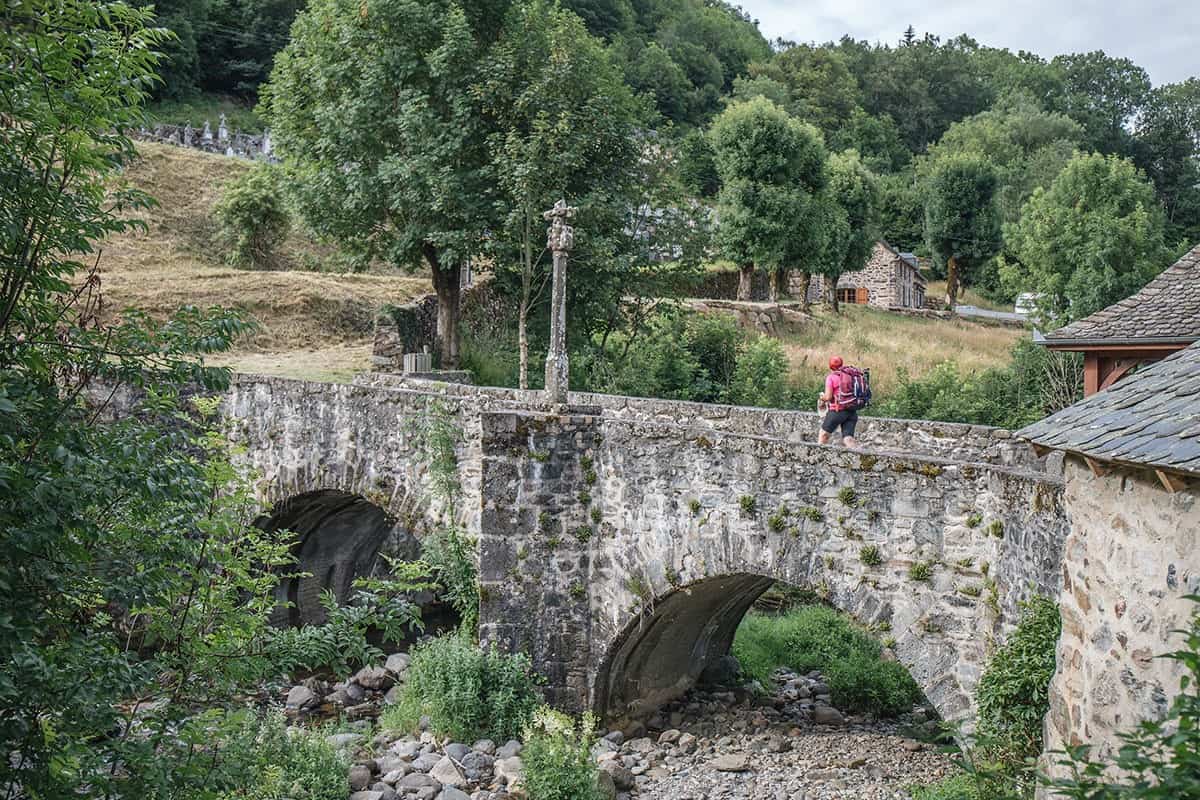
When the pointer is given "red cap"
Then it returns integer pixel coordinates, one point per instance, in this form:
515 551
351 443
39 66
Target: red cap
835 362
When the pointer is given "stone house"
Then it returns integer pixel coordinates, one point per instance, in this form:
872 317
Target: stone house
1162 318
1132 555
890 279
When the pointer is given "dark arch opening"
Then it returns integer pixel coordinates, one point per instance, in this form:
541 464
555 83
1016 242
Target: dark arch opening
663 654
339 538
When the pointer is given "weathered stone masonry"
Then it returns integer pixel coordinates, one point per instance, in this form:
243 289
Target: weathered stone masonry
620 547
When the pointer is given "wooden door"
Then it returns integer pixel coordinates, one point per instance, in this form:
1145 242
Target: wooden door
862 295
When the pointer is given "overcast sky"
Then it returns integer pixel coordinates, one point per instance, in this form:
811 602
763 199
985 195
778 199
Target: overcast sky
1163 36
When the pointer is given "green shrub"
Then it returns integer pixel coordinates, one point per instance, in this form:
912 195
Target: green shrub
920 571
252 219
761 375
748 504
956 787
869 555
803 639
261 759
1012 695
557 757
861 682
468 693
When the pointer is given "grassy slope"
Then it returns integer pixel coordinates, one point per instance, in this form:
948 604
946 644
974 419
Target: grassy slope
887 343
314 324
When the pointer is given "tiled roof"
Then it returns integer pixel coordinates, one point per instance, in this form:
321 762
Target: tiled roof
1165 311
1151 418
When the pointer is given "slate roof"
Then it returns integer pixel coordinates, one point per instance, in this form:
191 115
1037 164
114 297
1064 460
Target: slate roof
1165 311
1149 419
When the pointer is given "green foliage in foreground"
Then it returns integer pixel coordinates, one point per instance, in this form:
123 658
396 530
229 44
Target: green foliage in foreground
1157 760
956 787
557 757
820 638
263 759
467 693
1012 695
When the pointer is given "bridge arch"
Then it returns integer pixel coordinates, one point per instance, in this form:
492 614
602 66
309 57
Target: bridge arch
339 537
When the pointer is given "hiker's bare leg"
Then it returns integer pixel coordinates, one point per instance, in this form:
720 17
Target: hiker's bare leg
823 438
850 441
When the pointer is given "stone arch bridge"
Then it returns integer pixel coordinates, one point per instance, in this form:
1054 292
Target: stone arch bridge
621 540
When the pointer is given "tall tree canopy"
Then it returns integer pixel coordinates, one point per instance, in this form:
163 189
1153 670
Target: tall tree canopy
1094 237
564 127
772 169
372 106
1169 151
962 226
853 198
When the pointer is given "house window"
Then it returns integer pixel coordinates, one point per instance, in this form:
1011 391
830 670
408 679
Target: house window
852 294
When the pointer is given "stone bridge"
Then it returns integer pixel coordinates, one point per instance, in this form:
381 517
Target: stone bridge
621 540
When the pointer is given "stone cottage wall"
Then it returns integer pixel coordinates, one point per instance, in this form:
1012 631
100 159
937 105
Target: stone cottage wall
1132 554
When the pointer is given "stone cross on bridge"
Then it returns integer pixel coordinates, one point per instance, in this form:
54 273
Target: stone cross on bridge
560 238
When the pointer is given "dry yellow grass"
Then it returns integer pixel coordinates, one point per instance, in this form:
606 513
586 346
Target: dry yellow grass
175 263
968 297
888 343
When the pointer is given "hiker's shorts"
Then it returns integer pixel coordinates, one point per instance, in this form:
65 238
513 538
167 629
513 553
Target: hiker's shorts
846 420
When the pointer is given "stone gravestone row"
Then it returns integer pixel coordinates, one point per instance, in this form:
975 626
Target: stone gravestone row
256 147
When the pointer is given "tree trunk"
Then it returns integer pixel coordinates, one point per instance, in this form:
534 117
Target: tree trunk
951 282
523 344
805 281
773 286
745 281
446 284
831 295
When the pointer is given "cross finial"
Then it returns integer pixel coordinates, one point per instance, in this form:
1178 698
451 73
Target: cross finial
560 236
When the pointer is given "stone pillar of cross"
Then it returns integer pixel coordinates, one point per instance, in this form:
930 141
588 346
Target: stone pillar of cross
560 237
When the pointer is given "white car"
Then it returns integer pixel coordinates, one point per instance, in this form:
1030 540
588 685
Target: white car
1026 303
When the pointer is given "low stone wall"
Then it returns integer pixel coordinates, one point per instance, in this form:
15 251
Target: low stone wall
622 553
769 319
1132 555
957 442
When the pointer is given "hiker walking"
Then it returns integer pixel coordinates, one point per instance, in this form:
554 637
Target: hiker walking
847 389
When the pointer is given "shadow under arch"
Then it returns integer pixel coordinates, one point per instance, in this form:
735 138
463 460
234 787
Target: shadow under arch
339 538
660 656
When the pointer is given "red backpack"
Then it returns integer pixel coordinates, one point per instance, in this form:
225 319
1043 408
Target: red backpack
854 389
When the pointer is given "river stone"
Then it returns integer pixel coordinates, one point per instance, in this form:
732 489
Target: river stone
485 746
345 741
447 772
359 777
416 781
452 793
426 762
366 794
300 697
457 751
511 770
373 678
397 664
509 749
622 777
827 715
731 762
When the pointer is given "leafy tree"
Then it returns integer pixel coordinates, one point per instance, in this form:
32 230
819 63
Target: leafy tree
565 126
819 85
853 196
962 228
252 218
373 111
188 20
1103 94
1093 237
698 166
772 169
1168 136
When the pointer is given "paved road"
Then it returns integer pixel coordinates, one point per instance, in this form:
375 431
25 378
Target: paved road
975 311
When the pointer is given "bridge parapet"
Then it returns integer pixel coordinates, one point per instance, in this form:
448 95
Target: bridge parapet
954 441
